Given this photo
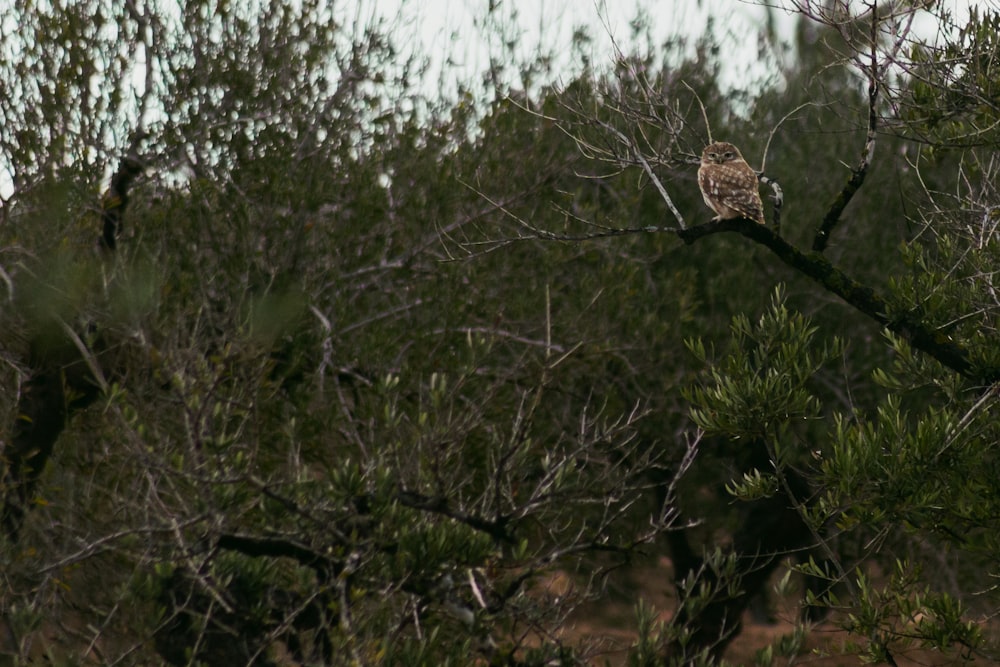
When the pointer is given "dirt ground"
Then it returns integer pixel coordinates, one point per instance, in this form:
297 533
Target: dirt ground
613 618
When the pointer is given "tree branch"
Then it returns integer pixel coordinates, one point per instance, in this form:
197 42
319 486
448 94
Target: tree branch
275 547
65 375
441 505
779 200
857 178
116 198
861 297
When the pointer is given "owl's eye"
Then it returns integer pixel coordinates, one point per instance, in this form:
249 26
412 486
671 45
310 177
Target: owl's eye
713 156
728 155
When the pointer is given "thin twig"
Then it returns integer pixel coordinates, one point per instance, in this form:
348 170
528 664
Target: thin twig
774 130
704 114
637 154
88 356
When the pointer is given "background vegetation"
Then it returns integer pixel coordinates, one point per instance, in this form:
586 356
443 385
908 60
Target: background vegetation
302 365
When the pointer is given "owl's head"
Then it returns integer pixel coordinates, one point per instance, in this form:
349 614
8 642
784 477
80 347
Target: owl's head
719 152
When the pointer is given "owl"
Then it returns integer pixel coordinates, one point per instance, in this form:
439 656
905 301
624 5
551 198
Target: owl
729 184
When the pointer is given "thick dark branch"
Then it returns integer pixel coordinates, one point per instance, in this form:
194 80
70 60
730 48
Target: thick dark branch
837 207
64 377
116 198
858 175
440 505
274 547
816 266
59 385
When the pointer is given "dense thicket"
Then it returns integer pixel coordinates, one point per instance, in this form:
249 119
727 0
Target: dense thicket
302 366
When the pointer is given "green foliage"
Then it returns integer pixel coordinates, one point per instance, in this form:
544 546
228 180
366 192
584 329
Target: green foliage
762 384
957 84
902 614
370 369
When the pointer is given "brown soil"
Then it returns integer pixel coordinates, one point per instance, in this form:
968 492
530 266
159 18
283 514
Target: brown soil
608 626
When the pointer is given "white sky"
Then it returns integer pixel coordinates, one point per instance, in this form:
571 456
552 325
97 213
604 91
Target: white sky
452 29
452 33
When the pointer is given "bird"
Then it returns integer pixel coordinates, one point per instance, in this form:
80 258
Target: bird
728 184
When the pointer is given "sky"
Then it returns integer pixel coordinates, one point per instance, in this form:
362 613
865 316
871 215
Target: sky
459 36
451 32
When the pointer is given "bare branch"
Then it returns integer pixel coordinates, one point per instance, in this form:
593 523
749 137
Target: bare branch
536 233
857 178
778 198
704 114
640 158
774 130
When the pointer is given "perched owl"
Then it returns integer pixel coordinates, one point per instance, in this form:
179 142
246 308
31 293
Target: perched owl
729 184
